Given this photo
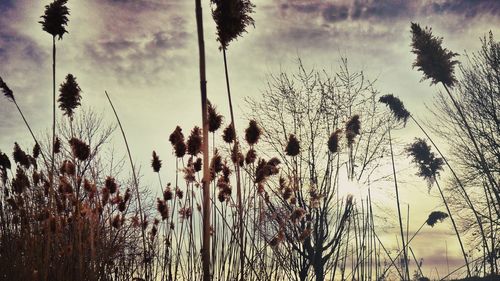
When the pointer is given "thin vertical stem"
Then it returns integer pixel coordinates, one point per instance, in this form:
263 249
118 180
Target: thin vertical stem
237 168
399 207
454 225
136 183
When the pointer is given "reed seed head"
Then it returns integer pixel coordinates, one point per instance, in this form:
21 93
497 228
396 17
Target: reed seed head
352 129
252 133
436 216
179 193
68 168
111 184
162 208
333 141
7 91
176 136
80 149
168 194
194 142
4 161
251 156
396 106
36 150
215 164
228 134
231 17
69 95
55 18
293 146
197 165
214 118
20 182
21 157
428 164
433 60
156 163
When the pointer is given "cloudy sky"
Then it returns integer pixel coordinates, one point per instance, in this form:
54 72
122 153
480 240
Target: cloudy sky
144 53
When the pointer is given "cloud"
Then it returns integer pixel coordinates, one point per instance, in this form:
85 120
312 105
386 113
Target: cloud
334 11
135 41
466 8
138 58
15 47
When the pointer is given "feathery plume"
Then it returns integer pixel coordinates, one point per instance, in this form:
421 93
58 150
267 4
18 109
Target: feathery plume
333 141
176 136
396 106
4 161
65 186
168 194
433 60
111 184
180 149
36 150
177 140
197 165
428 164
228 134
251 156
252 133
179 193
237 157
214 118
215 164
194 142
156 163
20 182
6 90
69 95
21 157
162 208
436 216
55 18
352 129
232 18
80 149
68 168
293 146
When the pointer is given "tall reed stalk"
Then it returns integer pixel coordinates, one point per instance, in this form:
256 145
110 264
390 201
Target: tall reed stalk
232 18
407 273
54 20
205 251
136 186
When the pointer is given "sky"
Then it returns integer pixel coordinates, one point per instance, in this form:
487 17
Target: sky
144 53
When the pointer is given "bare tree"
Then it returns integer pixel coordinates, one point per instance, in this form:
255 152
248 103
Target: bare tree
478 95
321 127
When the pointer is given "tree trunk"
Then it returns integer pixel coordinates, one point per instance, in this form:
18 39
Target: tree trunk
319 269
